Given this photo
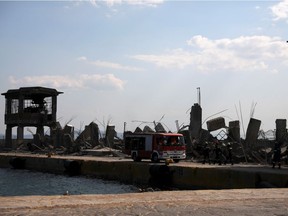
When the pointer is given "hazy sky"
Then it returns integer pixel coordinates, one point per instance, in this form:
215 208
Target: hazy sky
124 60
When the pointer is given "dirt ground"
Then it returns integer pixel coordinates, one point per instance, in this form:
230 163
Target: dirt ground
199 202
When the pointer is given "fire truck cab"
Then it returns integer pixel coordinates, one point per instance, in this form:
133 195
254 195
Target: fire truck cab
155 146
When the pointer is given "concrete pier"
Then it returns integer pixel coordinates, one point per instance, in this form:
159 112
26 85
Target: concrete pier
183 175
264 202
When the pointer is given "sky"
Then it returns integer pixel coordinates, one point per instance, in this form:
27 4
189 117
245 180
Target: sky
138 61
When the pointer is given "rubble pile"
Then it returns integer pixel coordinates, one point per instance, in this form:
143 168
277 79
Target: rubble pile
62 141
258 146
37 106
219 144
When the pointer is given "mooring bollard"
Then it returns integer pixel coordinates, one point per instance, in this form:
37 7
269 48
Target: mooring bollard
161 176
18 163
72 167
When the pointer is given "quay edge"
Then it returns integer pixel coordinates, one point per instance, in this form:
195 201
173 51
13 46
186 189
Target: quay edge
184 175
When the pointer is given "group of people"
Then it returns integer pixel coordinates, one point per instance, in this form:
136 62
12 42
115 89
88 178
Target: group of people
222 153
218 154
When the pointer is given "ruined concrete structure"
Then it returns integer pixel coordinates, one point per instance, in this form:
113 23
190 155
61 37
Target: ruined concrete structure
159 128
37 106
195 120
109 136
29 107
215 124
90 134
252 132
234 130
281 131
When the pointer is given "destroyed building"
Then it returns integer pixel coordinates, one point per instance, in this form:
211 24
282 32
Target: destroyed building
254 147
29 107
37 107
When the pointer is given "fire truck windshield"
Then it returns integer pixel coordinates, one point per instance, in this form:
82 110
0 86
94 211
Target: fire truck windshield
173 141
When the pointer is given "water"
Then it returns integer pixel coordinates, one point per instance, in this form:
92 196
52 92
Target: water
24 182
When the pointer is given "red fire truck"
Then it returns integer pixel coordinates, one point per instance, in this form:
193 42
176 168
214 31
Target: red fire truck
155 146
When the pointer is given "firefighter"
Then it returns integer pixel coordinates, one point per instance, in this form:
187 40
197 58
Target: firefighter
206 153
276 155
229 156
218 153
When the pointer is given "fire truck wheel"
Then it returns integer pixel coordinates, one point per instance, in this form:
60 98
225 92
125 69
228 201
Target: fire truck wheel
135 158
155 158
176 160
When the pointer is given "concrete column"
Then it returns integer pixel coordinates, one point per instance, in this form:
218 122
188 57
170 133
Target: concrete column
8 137
20 134
21 104
8 106
54 107
40 131
195 120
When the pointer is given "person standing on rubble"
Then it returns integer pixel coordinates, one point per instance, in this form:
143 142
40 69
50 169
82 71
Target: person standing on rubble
276 155
229 156
218 152
206 153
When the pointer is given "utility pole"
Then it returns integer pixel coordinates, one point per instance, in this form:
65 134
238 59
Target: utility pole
199 96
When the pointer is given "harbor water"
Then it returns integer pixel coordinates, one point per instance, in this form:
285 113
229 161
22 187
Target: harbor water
24 182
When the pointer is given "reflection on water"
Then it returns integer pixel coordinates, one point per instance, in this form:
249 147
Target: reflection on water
23 182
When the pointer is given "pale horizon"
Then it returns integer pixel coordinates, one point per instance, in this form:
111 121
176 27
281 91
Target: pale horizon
136 60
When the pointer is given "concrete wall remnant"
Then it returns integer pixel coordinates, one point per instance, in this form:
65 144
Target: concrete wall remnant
252 131
138 130
234 130
90 134
57 135
215 124
281 131
188 140
147 129
110 134
69 143
159 128
69 129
